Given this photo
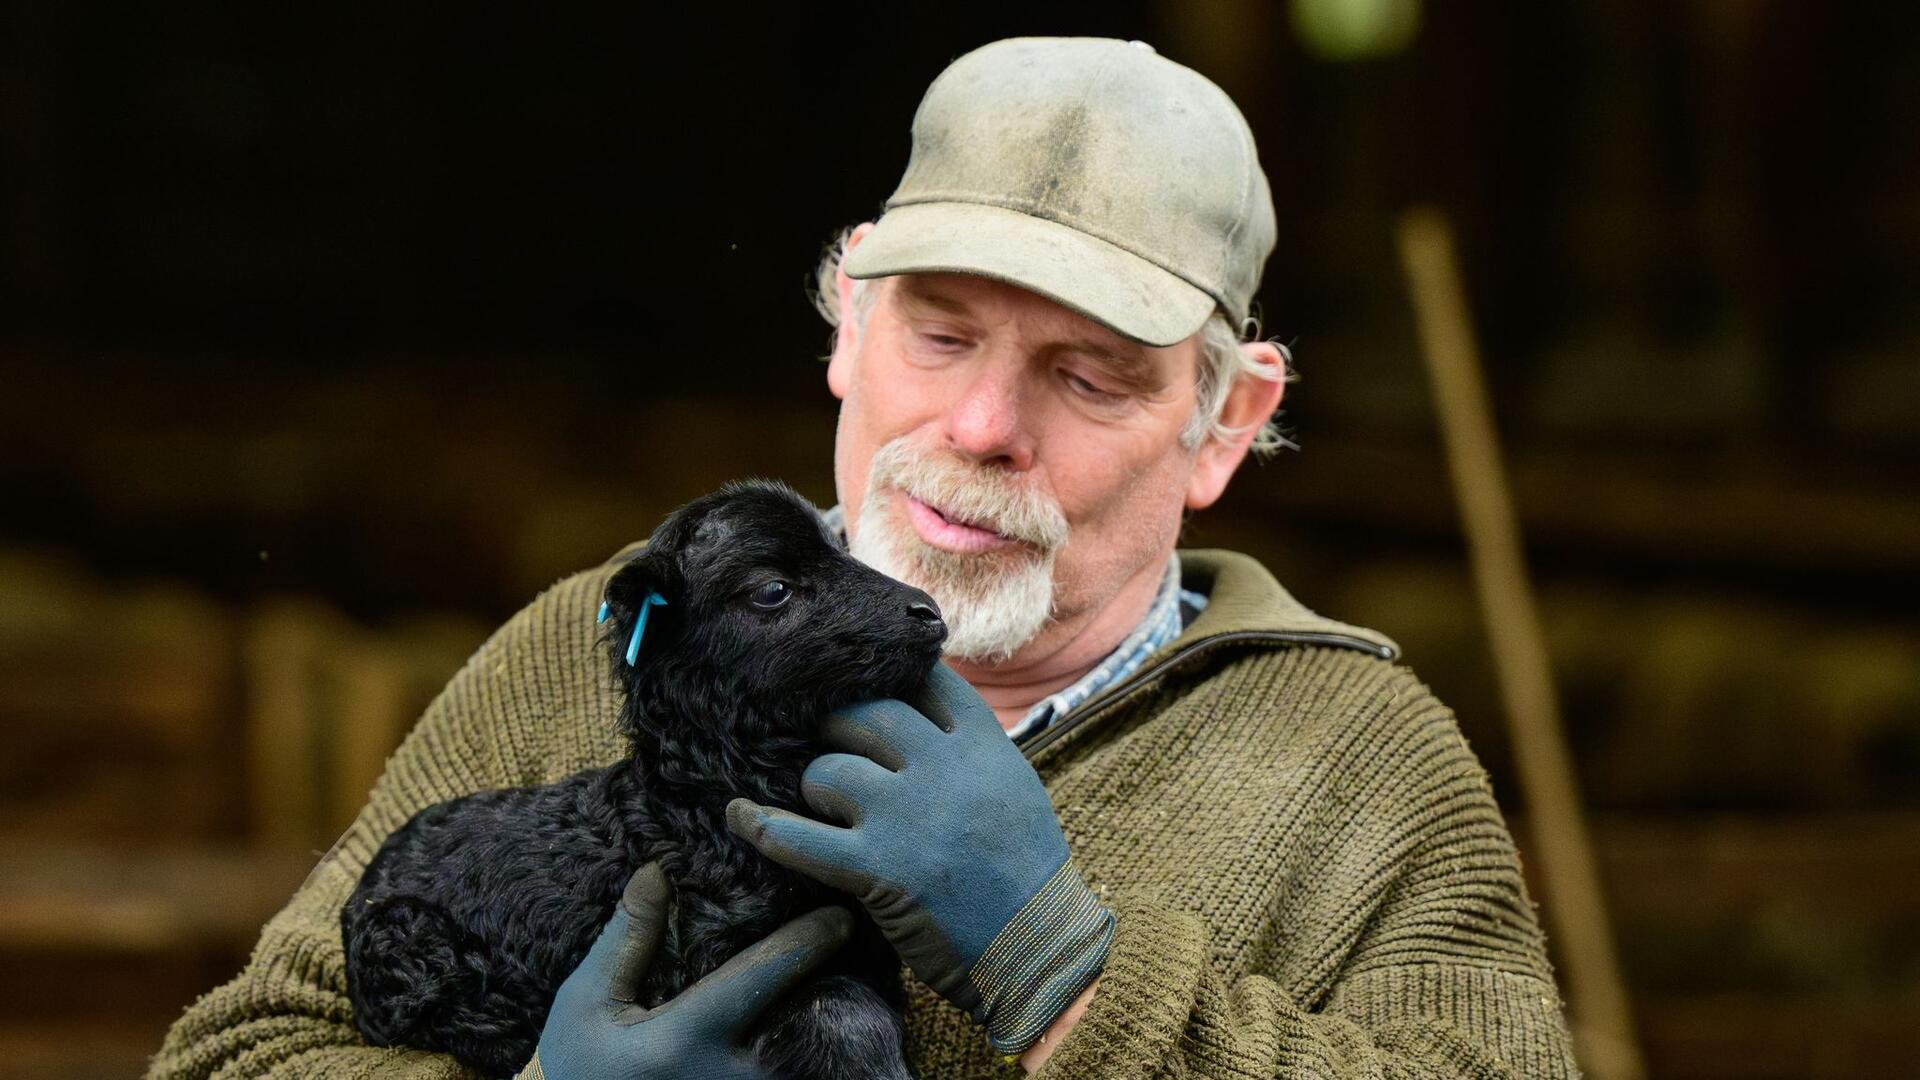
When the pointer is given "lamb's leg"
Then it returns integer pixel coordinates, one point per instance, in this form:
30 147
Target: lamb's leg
836 1028
416 979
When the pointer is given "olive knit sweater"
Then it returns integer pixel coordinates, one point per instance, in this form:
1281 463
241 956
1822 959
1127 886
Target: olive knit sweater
1309 872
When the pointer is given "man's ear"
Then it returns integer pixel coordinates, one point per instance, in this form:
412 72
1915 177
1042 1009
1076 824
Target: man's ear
846 337
631 593
1250 403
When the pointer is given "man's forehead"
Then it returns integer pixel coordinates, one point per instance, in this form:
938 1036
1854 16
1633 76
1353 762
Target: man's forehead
982 297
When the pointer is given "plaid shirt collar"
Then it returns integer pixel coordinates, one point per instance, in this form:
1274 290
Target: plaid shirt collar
1161 625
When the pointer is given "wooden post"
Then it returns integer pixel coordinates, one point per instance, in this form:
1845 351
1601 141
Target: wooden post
1597 998
287 741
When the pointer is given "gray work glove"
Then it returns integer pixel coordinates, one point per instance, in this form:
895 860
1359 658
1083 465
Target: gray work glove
597 1031
941 828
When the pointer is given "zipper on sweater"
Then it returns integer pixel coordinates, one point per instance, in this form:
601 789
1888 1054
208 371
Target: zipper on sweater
1114 694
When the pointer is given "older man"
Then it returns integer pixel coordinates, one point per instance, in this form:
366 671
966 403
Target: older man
1220 835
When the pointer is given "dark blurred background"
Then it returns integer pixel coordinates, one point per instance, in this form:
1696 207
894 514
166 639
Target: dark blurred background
331 334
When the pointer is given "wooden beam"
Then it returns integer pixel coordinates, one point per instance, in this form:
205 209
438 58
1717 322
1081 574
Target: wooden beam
1602 1020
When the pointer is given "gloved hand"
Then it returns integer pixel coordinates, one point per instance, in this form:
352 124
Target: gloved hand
596 1030
947 836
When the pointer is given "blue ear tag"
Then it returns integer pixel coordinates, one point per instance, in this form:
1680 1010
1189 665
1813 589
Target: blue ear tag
602 617
654 599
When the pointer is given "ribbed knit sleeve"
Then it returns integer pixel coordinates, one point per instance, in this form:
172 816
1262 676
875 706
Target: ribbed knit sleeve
496 724
1432 965
1160 1012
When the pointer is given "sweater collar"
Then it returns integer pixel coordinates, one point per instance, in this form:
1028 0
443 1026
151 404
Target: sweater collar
1244 598
1246 606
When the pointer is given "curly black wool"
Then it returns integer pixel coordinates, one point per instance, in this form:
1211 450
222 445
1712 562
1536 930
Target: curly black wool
472 913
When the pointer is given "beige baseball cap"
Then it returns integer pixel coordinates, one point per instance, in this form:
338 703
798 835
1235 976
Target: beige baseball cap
1091 171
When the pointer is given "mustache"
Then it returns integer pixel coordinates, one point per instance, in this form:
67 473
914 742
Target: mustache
986 498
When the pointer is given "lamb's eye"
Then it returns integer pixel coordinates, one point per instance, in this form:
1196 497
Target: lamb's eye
771 595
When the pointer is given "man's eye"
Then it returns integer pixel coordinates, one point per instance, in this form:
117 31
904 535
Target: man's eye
1091 392
943 342
771 595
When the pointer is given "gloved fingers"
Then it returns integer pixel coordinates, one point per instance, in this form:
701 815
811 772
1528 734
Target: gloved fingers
842 786
888 731
826 853
725 1004
953 704
856 732
645 905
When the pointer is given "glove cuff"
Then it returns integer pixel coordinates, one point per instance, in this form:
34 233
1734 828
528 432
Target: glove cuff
1053 948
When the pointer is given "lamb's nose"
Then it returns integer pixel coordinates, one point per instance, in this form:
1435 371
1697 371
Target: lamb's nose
923 612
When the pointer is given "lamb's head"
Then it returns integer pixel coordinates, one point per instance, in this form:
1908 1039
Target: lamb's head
755 610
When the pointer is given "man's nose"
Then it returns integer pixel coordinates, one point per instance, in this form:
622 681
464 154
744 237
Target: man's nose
986 423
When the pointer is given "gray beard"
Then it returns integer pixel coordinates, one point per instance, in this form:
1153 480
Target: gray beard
994 603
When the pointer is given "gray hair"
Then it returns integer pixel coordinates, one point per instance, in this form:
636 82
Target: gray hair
1222 360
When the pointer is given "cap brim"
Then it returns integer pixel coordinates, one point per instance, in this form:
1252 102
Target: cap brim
1111 286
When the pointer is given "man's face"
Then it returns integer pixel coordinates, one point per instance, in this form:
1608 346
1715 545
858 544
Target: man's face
1015 459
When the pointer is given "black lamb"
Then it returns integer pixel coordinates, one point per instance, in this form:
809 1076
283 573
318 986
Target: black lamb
472 913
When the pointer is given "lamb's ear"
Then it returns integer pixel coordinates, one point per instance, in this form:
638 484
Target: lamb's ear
639 605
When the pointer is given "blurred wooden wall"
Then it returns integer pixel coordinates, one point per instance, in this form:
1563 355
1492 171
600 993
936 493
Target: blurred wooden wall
174 767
